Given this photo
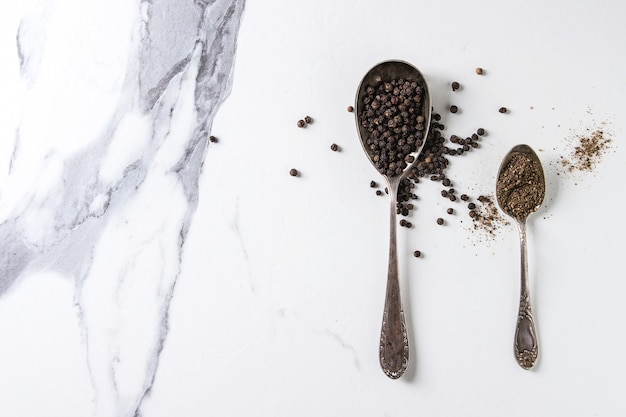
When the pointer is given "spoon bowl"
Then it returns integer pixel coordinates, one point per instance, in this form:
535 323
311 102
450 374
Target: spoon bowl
394 342
385 71
520 190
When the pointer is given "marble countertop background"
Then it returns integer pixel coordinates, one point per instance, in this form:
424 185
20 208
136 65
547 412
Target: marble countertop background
147 271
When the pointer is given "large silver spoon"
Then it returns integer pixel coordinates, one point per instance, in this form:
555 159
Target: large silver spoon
394 342
520 190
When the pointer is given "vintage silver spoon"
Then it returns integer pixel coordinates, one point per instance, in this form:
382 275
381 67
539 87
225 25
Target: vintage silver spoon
394 343
520 190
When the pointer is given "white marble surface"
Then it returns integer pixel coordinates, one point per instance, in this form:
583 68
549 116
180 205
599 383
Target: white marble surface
147 272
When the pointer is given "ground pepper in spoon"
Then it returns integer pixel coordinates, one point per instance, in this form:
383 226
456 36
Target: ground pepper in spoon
520 190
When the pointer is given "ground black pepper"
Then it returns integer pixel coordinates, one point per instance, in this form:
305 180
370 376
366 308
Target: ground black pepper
520 187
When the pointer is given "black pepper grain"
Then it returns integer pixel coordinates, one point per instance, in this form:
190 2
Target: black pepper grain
454 109
450 210
502 110
350 109
301 123
213 139
480 71
373 184
308 120
480 131
439 221
334 147
471 206
417 254
293 172
455 86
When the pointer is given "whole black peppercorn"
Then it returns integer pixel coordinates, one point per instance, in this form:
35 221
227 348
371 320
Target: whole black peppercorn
444 193
479 71
446 182
402 222
502 110
378 192
334 147
301 123
464 197
480 131
308 120
373 184
439 221
471 206
417 254
450 210
350 109
455 86
409 224
293 172
213 139
454 109
472 214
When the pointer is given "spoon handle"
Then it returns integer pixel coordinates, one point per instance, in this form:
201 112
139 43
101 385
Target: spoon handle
526 348
394 341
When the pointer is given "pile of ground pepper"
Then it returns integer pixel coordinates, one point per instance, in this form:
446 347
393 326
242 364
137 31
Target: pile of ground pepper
589 151
520 188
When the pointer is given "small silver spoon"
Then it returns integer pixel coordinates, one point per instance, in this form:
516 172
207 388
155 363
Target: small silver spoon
394 342
526 348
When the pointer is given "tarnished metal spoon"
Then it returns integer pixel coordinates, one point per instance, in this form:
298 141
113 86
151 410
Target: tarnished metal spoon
520 190
394 343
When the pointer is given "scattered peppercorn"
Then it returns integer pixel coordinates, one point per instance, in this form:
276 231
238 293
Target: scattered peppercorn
402 222
472 214
301 123
409 224
293 172
479 71
444 193
334 147
350 109
480 131
454 109
308 120
439 221
446 182
378 192
417 254
455 86
373 184
450 210
502 110
464 197
213 139
471 206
